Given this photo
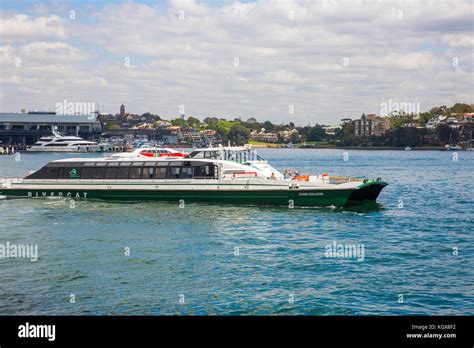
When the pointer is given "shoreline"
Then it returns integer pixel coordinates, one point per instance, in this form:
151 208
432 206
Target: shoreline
371 148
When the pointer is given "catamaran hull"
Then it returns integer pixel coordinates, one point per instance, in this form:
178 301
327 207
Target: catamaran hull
277 197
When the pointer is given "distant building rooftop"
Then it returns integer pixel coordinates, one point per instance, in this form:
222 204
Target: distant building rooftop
46 117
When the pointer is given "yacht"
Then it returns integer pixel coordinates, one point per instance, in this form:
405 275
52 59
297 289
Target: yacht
453 147
66 143
221 175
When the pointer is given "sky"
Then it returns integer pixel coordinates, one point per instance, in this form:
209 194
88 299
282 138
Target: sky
284 60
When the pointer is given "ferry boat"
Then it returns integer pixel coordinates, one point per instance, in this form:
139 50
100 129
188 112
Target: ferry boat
232 175
66 143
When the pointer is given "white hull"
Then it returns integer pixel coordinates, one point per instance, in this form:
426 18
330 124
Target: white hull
78 149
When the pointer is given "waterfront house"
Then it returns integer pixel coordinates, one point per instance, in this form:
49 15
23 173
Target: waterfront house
264 137
435 121
363 126
381 126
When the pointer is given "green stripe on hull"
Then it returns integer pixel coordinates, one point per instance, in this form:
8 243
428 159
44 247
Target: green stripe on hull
251 197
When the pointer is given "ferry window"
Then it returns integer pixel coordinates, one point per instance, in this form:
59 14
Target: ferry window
206 171
174 172
176 163
86 173
111 173
62 173
150 164
210 154
135 172
99 173
113 164
45 173
137 164
160 173
53 173
125 164
122 173
186 173
100 164
196 154
197 172
89 164
148 173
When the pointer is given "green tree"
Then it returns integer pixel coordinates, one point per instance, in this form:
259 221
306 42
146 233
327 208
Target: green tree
253 126
268 125
193 121
223 128
439 110
348 129
316 133
425 117
406 136
398 121
211 121
179 122
238 134
461 108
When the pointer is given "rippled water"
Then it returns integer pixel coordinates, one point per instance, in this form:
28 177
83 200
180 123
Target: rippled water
207 259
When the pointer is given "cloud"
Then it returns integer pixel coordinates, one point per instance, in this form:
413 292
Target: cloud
288 53
459 40
42 53
24 28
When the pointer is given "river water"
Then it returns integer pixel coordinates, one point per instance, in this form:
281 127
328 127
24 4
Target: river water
415 251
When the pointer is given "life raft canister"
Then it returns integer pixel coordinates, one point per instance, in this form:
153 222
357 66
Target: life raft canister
301 178
325 176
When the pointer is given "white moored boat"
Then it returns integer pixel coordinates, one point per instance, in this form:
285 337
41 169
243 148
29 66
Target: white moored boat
66 143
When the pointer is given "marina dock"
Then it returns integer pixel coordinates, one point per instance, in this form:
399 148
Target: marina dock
11 150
